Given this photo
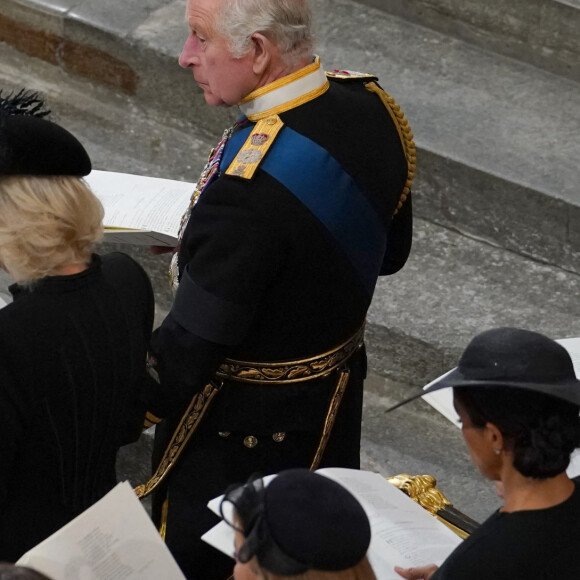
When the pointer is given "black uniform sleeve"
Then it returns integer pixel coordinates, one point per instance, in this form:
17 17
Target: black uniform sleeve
185 363
231 252
206 315
399 239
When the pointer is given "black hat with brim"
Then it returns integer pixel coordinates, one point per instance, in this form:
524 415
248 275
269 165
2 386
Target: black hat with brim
512 358
34 146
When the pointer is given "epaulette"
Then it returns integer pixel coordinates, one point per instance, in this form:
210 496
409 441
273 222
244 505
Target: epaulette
350 75
397 115
405 134
254 150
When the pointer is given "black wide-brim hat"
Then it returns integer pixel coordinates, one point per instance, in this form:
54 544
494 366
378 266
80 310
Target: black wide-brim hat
513 358
34 146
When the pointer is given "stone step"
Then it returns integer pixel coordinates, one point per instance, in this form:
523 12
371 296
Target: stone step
543 33
498 140
454 287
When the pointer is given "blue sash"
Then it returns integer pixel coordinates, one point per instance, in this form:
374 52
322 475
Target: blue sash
320 183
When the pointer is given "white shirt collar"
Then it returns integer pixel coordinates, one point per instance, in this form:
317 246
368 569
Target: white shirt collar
286 93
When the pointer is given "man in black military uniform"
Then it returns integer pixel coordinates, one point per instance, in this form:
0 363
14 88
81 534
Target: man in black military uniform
301 206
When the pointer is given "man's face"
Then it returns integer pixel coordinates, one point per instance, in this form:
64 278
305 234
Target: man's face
225 80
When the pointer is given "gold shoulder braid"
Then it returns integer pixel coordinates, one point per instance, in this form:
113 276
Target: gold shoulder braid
280 373
346 76
255 148
405 135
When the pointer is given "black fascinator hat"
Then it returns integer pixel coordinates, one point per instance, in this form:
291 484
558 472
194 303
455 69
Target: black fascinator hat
511 357
301 521
31 145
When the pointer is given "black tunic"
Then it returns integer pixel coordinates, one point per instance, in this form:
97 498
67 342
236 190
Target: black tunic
72 370
255 254
539 544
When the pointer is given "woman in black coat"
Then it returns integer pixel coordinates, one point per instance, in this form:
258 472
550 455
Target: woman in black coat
518 399
73 343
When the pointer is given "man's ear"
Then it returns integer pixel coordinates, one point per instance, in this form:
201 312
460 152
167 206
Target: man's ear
263 52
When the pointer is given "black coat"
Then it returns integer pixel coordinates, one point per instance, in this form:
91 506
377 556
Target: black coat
540 544
72 370
263 280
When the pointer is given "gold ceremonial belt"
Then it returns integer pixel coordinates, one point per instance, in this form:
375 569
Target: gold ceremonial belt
296 371
278 373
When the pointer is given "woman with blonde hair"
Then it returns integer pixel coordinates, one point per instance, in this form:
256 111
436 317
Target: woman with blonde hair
73 342
302 526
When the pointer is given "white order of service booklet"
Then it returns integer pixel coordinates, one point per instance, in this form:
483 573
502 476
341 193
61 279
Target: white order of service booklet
402 532
443 400
139 209
113 539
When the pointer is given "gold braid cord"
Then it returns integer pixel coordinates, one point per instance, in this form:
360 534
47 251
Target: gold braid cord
163 526
405 134
185 429
331 416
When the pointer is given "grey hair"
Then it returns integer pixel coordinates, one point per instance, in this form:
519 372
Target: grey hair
287 23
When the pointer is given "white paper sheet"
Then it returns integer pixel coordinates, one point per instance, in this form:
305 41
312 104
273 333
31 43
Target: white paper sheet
151 205
221 536
443 400
403 533
113 539
572 345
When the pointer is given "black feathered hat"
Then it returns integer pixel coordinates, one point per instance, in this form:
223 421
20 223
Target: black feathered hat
511 357
31 145
301 521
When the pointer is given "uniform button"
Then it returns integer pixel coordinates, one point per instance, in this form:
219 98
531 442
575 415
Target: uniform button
279 437
250 441
224 434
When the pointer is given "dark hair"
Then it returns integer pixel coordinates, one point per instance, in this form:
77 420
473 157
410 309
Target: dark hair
541 431
12 572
